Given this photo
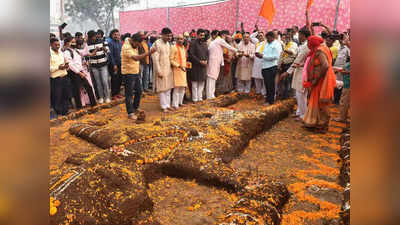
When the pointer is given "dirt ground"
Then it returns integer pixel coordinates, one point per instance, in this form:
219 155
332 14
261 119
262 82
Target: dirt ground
305 162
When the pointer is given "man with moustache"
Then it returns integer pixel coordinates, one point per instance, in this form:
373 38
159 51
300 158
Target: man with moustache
198 56
162 69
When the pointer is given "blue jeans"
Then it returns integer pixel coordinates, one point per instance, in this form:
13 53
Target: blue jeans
132 84
101 78
145 76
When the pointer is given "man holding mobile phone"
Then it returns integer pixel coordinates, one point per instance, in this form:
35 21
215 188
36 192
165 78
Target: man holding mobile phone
58 78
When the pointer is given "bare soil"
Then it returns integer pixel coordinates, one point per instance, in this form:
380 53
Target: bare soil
306 163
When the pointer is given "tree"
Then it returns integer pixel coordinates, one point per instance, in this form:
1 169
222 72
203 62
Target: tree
99 11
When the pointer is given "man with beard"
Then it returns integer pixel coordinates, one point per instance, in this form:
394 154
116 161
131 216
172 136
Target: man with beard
198 56
237 38
245 63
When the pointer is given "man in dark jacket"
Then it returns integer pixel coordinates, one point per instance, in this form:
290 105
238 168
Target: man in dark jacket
115 46
198 57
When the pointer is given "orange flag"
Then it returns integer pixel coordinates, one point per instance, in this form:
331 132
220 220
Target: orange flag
309 3
267 10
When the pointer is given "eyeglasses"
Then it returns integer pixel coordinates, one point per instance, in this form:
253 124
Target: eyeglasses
179 39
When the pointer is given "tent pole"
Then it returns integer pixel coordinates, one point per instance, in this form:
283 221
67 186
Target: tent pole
237 16
337 14
167 16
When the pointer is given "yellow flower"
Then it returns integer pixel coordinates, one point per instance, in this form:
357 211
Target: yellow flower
53 211
57 203
197 206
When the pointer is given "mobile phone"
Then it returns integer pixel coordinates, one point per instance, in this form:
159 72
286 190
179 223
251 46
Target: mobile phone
315 24
63 25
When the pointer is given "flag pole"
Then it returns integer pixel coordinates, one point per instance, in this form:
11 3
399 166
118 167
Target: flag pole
237 15
337 14
168 16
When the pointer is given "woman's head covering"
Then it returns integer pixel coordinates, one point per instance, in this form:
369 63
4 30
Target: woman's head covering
313 43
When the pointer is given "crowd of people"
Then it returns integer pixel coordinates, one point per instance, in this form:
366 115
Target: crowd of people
315 69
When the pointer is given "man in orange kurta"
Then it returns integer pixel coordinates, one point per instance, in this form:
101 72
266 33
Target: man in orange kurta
178 62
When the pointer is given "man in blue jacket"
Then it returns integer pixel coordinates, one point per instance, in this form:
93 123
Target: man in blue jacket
115 46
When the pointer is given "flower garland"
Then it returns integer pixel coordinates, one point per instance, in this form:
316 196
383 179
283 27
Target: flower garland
120 149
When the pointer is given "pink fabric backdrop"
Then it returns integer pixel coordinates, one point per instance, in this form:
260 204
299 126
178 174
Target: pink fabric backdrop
133 21
223 16
218 16
292 12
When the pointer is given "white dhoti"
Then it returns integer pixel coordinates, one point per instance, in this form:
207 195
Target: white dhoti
197 90
260 86
177 98
165 99
301 97
210 88
243 86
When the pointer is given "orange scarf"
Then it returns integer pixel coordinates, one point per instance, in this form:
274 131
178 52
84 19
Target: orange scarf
178 46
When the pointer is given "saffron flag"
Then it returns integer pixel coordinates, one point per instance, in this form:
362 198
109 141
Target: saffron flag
267 10
309 3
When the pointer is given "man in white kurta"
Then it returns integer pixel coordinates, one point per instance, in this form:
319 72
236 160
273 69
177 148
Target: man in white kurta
297 70
257 67
245 63
162 69
215 61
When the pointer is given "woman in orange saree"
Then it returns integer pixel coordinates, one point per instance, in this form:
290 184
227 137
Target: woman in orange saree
321 81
